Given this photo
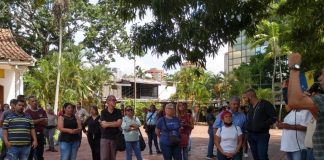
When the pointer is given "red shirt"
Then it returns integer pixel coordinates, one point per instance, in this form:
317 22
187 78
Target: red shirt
37 114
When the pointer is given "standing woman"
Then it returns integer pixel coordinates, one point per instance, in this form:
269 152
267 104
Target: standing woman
186 125
93 133
168 129
130 128
150 124
228 139
210 118
70 127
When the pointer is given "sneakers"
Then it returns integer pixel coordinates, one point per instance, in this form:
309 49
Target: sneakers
209 157
151 152
245 155
158 152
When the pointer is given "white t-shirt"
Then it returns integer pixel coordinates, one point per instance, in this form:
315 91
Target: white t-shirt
229 137
289 138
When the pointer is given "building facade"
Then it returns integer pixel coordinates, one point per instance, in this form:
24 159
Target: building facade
240 53
13 63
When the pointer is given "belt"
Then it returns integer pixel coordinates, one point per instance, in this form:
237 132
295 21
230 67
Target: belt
38 132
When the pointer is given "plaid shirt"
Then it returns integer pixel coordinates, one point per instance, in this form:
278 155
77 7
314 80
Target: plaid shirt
318 137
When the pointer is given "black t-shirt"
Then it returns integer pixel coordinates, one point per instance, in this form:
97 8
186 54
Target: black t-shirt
110 132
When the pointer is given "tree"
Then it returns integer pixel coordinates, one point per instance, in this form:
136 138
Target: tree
306 23
35 29
80 80
193 29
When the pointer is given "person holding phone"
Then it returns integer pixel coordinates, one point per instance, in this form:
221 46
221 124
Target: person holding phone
70 128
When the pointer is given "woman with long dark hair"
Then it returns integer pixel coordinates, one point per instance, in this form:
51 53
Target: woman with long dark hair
93 132
70 127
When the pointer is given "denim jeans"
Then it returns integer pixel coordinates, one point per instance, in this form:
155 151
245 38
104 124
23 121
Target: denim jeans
133 146
152 138
297 155
259 143
210 143
220 156
49 134
310 154
18 152
69 150
170 151
184 153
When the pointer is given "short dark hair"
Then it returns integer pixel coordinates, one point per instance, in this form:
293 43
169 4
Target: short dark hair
251 90
65 105
21 96
13 101
21 100
95 108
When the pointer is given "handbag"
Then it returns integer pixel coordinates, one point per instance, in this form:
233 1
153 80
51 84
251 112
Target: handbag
141 141
174 140
120 142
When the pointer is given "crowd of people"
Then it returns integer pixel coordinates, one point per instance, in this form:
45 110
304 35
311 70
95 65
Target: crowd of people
25 127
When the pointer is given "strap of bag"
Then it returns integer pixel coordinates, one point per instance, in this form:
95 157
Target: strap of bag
150 117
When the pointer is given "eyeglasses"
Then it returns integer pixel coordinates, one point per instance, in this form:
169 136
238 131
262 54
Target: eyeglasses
129 110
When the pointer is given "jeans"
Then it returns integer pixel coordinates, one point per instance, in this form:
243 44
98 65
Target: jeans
18 152
170 151
310 154
133 146
49 134
297 155
259 143
184 153
152 137
69 150
37 153
220 156
210 143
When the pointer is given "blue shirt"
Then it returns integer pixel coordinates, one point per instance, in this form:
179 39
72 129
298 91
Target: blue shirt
238 118
151 118
173 128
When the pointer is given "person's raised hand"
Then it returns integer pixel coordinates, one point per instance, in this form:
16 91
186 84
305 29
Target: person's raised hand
294 58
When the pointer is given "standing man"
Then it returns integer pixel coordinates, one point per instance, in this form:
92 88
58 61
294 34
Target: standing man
18 133
260 117
5 114
81 112
315 103
39 118
150 124
111 120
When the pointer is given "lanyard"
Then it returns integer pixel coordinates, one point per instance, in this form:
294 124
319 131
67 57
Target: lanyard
256 109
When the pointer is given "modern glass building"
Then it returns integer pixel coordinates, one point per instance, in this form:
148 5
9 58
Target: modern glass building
240 53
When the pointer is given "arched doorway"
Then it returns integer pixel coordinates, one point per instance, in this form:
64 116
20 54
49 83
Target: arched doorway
1 95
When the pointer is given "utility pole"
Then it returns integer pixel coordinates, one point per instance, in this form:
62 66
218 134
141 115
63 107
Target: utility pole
135 84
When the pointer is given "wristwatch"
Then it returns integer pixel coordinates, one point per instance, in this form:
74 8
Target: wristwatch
295 67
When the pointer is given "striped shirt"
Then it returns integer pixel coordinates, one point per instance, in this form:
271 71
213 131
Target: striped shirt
318 137
19 129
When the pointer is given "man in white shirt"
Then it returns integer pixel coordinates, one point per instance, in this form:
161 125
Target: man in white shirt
81 112
293 134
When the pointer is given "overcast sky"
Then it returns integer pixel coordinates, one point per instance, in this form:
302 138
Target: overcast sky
214 65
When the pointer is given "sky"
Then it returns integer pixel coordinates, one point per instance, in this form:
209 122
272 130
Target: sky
214 65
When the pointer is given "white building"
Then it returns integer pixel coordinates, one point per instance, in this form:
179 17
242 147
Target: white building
13 63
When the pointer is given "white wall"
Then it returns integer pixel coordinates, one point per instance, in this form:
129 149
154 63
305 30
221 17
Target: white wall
8 85
166 91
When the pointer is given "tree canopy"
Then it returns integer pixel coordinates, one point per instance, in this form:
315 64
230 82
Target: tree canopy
190 30
36 30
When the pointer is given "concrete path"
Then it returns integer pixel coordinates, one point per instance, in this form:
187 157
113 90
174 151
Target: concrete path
198 151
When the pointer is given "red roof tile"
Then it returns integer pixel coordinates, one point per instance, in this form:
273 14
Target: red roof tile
9 48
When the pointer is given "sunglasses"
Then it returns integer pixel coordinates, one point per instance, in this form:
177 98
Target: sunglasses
129 110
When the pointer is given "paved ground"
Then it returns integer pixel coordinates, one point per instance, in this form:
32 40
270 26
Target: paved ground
198 152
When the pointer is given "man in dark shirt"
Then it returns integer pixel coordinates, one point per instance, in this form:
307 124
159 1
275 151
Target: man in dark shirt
111 120
260 117
39 118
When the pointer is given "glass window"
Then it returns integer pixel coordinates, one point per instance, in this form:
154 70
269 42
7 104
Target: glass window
230 55
244 59
237 61
250 52
237 54
237 47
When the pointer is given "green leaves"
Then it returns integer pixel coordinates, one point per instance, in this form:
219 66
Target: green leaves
190 30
